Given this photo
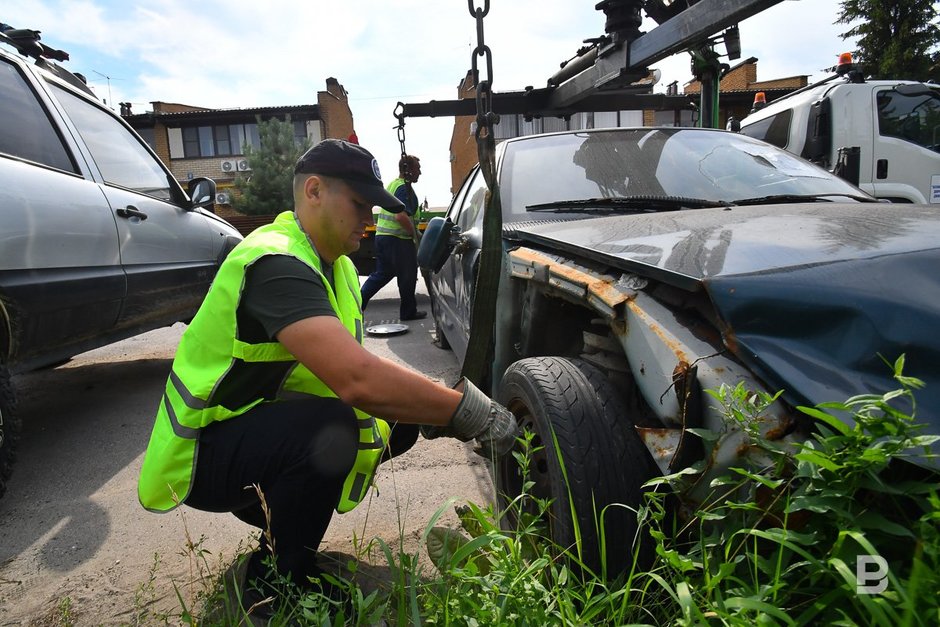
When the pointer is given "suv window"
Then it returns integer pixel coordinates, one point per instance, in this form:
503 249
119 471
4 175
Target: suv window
27 132
773 130
914 118
473 202
120 157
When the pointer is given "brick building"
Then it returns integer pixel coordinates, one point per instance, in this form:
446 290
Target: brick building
196 141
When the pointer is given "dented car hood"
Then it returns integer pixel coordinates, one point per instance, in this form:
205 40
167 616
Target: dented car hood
813 298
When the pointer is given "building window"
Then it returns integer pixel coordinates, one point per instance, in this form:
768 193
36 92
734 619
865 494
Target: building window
206 144
605 119
251 137
507 127
236 134
552 125
148 136
222 140
223 143
300 133
190 141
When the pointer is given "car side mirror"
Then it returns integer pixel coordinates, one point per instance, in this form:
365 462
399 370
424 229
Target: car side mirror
436 244
201 193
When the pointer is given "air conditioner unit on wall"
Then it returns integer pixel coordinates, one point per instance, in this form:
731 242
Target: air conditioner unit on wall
243 165
228 165
222 198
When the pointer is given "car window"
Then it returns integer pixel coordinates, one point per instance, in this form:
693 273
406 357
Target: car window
25 128
457 202
473 202
773 130
915 118
699 163
119 155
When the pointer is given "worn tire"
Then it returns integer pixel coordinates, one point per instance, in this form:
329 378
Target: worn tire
605 462
9 428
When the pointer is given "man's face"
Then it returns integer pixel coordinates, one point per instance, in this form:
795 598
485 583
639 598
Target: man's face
414 171
344 216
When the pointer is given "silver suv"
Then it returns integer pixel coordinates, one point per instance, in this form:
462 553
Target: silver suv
98 242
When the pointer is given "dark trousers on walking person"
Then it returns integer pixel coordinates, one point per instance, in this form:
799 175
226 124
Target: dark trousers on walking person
298 453
395 258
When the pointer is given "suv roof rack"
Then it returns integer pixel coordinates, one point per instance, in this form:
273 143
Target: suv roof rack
26 42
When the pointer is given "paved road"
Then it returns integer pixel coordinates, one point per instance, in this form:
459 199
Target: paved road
72 532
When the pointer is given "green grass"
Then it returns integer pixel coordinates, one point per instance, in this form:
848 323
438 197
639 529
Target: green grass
775 543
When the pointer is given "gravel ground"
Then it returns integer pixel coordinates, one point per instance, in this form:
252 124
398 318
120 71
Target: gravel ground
76 542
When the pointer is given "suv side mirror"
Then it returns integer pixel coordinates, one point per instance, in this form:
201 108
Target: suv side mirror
436 244
201 193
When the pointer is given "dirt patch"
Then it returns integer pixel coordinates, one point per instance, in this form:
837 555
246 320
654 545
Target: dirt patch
75 541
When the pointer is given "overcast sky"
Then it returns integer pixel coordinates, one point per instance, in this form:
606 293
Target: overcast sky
246 53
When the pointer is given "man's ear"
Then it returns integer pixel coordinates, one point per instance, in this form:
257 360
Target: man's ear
313 186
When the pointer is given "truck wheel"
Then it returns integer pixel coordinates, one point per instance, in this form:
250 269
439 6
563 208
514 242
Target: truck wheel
602 459
9 428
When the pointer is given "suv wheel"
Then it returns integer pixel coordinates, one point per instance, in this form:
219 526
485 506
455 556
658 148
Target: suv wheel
585 447
9 428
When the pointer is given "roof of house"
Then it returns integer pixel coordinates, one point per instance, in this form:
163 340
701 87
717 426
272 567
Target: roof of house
223 115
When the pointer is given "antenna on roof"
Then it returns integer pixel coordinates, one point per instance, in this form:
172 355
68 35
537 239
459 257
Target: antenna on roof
108 78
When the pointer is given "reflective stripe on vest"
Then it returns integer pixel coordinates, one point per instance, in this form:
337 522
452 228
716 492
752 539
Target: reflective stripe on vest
210 347
387 223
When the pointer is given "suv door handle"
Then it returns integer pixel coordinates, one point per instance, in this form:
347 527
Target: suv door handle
130 211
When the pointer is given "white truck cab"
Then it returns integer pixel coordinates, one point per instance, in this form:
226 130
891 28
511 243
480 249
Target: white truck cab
882 135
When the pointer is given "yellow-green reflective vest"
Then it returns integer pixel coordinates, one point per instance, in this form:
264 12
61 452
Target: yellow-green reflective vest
386 223
210 347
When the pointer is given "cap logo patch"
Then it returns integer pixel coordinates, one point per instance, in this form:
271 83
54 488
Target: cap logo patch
375 170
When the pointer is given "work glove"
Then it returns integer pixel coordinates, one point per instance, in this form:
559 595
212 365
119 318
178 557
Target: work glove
479 418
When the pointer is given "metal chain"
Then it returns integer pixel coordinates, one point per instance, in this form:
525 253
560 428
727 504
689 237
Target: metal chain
399 113
486 118
479 356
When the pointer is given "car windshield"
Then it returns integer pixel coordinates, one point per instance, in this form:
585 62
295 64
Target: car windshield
689 163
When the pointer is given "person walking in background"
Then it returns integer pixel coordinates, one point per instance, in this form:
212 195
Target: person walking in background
396 236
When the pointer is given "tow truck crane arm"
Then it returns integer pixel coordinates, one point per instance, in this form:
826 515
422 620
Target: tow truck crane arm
600 76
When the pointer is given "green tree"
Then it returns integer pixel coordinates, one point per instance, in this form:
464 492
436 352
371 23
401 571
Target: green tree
896 38
269 187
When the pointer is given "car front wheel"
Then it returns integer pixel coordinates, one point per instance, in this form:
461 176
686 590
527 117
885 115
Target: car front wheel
584 447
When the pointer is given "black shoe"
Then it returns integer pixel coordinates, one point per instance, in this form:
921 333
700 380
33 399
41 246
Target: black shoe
418 315
242 602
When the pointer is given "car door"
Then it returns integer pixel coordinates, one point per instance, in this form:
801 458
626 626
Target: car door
906 163
61 281
169 252
455 282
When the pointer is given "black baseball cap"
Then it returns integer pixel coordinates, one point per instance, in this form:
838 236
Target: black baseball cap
354 165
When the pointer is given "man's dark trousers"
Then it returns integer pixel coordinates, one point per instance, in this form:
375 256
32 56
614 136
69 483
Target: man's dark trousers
394 258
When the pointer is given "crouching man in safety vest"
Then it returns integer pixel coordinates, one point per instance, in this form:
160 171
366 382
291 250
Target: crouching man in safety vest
271 386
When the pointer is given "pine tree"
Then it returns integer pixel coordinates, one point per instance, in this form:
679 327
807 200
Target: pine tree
269 188
896 38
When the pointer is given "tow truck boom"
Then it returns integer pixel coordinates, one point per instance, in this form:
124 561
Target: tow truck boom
600 76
